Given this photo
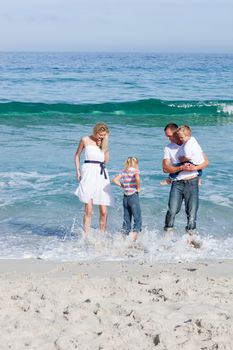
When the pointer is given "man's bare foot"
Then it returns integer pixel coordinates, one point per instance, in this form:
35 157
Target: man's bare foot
193 242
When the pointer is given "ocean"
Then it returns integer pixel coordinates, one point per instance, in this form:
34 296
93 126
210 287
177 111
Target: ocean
48 101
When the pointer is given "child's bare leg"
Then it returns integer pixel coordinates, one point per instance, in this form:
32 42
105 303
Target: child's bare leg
169 234
189 239
166 182
134 236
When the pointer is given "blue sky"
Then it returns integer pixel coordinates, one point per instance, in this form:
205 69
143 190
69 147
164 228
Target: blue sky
117 25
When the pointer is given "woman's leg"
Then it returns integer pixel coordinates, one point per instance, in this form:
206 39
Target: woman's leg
103 217
87 217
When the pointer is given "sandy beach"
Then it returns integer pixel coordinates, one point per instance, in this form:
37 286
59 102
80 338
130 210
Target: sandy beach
116 305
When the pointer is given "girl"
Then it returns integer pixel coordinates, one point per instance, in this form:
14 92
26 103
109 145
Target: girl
94 184
129 180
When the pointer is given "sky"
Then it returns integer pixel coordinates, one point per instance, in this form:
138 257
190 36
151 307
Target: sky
117 25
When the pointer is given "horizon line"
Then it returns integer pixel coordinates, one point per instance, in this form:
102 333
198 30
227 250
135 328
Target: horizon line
120 52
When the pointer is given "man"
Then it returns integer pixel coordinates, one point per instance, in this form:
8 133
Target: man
185 187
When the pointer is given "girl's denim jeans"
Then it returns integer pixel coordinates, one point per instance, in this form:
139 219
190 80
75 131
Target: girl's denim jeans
132 209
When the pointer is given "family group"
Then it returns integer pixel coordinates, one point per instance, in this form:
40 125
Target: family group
183 160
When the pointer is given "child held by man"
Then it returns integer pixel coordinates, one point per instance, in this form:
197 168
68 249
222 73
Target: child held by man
190 152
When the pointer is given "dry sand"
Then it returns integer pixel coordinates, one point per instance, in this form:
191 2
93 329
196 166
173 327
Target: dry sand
116 305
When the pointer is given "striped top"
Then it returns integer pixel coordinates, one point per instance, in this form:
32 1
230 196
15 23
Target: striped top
128 180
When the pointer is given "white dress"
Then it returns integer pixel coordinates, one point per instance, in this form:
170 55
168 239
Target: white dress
93 185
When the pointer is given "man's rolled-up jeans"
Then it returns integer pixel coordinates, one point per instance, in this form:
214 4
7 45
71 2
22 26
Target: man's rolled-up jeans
187 190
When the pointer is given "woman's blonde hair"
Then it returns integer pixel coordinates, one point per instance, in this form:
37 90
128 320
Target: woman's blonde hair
131 162
102 127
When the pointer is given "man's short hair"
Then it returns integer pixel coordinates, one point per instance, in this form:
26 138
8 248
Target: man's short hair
171 126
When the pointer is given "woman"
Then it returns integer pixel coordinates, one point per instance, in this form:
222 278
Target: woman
94 184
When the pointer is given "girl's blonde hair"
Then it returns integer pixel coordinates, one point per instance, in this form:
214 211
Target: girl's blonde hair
131 162
102 127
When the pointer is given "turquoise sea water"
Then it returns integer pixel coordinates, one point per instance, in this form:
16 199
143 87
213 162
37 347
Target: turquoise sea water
48 101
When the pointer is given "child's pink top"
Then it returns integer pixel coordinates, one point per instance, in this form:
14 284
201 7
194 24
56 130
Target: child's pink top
128 180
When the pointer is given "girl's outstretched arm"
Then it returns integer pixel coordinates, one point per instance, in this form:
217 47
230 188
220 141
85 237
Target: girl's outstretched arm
116 180
137 177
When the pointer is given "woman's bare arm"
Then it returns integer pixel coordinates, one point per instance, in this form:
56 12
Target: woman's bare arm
106 156
77 158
